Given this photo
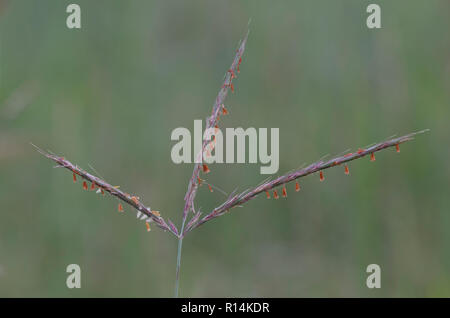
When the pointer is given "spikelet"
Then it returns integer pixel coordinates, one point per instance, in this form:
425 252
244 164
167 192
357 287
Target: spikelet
135 200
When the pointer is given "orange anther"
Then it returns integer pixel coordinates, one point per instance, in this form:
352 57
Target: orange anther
372 157
232 87
284 193
224 110
85 186
297 186
148 226
206 169
135 199
268 194
397 147
321 176
360 151
120 207
93 186
275 194
74 177
347 172
156 213
210 188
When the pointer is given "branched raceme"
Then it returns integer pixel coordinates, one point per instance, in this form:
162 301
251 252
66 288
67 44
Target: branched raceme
275 187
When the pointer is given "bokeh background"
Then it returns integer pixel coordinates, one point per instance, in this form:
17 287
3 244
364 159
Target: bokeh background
110 94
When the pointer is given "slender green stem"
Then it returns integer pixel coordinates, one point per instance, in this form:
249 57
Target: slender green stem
180 245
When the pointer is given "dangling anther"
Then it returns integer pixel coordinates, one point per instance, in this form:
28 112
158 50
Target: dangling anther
232 73
297 186
199 181
224 110
275 194
268 194
284 193
321 176
210 188
206 169
85 186
372 157
232 87
147 224
347 172
397 147
120 207
93 186
74 177
239 63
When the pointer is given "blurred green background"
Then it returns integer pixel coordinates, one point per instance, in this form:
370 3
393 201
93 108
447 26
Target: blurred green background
110 94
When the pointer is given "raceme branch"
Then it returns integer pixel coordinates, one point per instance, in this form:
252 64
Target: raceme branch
101 186
211 122
266 186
